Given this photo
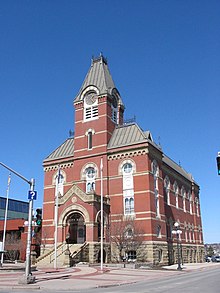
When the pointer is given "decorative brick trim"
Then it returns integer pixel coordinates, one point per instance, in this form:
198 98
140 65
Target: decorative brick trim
127 155
55 167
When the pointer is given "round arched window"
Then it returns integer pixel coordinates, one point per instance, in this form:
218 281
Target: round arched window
127 168
90 172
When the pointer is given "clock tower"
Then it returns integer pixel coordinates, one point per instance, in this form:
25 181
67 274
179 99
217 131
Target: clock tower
98 110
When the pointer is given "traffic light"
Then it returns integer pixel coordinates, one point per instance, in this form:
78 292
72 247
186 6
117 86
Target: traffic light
38 220
218 163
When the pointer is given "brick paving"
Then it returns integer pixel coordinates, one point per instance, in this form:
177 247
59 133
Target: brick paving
84 277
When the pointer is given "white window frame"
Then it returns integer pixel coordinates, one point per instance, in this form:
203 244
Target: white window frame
90 180
167 189
176 191
155 171
190 204
183 194
128 188
90 111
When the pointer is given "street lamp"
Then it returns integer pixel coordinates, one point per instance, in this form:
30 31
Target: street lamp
28 278
178 232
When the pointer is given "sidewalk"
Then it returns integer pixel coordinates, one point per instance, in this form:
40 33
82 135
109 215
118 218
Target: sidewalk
85 277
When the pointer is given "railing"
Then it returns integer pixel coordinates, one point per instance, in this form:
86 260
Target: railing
74 253
130 120
62 248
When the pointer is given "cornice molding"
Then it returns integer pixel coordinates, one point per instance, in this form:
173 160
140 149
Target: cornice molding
127 154
55 167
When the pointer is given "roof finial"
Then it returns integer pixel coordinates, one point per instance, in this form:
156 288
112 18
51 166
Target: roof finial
159 141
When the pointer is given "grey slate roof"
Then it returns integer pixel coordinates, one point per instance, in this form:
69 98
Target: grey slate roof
66 149
126 135
123 135
177 168
99 76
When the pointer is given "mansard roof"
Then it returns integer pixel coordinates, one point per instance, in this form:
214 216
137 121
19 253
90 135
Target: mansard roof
127 134
99 76
65 150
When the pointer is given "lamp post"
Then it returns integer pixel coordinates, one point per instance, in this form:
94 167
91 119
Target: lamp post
28 278
177 231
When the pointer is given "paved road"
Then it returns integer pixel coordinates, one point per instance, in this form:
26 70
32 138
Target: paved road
85 279
206 281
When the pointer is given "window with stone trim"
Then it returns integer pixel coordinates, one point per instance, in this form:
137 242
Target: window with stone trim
90 179
176 191
128 188
59 182
186 234
158 231
197 207
183 194
155 171
131 255
167 190
190 203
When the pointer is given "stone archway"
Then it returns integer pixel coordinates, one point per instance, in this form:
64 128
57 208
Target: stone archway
76 228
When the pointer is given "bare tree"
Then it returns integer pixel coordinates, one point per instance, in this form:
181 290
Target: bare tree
126 235
13 246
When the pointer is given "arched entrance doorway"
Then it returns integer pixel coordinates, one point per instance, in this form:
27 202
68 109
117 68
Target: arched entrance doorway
76 229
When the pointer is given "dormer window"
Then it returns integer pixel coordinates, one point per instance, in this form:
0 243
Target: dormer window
90 105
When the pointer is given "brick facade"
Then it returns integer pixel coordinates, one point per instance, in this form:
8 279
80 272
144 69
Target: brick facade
140 182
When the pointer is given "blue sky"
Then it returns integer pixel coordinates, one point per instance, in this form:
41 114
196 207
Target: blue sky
164 57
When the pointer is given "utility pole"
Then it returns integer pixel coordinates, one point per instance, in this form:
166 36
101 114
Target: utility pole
27 278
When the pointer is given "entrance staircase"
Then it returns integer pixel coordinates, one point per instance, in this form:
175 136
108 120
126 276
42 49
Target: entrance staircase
67 255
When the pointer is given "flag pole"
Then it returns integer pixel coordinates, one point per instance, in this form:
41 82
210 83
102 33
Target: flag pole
56 217
5 222
101 175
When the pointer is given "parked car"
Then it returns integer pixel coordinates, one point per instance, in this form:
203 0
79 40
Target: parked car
216 258
208 258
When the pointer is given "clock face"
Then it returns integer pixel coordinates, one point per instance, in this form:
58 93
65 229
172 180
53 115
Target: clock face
90 98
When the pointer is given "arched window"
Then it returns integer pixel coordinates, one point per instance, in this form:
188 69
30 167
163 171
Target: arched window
190 234
114 108
176 191
128 188
183 194
90 140
90 179
129 233
197 207
193 234
190 203
89 133
156 192
200 234
59 181
186 232
158 232
167 190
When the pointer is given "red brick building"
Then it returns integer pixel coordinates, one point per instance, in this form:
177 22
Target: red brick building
16 239
141 185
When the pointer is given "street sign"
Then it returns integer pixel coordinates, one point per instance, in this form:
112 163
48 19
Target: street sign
32 194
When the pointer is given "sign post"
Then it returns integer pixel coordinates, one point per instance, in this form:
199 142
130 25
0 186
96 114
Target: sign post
27 278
